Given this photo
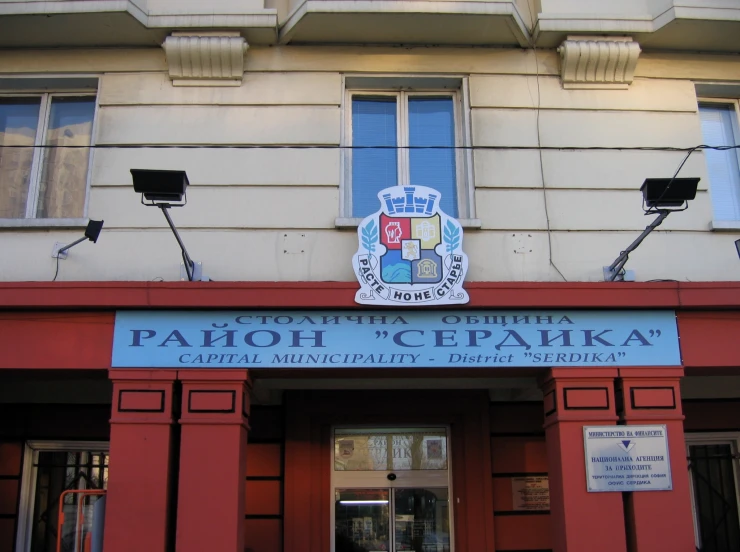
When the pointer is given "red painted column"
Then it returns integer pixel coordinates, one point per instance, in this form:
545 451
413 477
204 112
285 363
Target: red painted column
581 521
138 499
652 396
213 450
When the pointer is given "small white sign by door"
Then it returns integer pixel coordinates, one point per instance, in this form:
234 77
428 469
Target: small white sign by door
627 458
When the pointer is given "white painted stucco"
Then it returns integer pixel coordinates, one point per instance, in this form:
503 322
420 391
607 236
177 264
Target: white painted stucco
270 213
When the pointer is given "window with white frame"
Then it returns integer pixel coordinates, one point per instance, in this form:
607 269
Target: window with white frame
44 154
405 136
49 469
713 473
719 124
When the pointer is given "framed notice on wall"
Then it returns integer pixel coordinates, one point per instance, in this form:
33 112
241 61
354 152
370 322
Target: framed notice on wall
530 493
627 458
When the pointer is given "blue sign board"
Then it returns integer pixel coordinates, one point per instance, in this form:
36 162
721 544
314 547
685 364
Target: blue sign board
392 339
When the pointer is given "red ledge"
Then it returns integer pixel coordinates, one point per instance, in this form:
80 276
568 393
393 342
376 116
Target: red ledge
239 295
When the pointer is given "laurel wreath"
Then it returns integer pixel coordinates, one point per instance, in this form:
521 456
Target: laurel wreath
451 236
369 236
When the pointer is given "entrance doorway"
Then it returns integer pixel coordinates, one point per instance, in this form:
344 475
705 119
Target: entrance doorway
391 489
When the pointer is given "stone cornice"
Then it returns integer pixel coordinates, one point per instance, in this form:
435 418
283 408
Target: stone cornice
250 295
598 62
206 58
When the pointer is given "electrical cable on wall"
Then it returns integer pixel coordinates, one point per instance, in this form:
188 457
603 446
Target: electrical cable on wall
539 146
689 151
56 272
338 147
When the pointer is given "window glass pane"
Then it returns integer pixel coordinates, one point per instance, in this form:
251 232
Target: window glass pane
361 520
724 173
373 124
432 123
410 449
19 118
64 174
422 520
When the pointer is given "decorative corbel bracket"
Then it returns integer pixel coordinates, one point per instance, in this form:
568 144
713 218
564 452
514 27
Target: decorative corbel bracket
205 58
598 62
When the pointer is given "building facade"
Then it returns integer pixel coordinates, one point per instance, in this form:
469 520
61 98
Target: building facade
262 403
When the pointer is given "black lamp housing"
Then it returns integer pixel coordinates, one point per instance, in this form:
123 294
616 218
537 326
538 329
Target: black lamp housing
93 230
160 186
661 193
737 246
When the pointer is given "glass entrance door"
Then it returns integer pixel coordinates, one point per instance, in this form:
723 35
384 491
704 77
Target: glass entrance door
362 520
391 490
421 520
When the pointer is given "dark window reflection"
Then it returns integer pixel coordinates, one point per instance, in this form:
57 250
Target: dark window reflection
422 520
362 517
715 497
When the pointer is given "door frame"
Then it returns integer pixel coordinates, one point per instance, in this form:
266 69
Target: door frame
310 416
379 479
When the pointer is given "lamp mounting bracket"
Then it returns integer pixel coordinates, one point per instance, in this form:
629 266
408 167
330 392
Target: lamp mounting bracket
615 272
193 270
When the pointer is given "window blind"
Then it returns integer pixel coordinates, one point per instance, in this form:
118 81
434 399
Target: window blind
717 124
432 123
373 124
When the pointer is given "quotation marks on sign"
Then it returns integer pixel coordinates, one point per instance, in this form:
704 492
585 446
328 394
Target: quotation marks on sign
379 335
619 354
654 333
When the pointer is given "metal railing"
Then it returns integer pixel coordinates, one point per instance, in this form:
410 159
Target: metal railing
80 523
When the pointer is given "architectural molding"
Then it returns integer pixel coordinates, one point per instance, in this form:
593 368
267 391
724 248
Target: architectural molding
206 58
498 22
598 62
108 296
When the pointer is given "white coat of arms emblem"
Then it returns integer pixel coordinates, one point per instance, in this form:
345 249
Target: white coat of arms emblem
410 251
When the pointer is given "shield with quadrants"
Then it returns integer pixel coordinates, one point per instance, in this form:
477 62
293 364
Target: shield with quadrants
410 256
410 251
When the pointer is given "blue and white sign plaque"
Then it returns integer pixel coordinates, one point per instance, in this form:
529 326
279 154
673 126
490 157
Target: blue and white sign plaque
627 458
391 339
410 251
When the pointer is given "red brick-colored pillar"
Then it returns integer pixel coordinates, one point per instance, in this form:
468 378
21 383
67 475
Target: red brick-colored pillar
652 396
213 450
581 521
138 500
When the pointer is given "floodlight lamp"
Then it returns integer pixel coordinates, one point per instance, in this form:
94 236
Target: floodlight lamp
737 246
660 196
165 189
668 193
92 232
160 187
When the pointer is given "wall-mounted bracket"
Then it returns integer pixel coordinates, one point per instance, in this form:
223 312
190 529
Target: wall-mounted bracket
205 58
598 62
